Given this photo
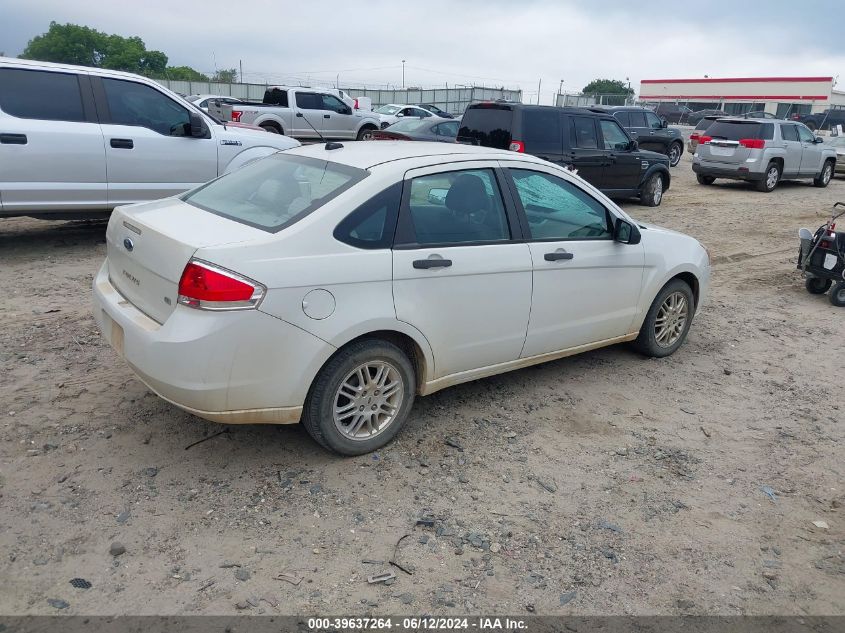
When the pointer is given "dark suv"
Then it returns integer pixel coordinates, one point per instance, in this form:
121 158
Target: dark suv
826 120
650 131
591 141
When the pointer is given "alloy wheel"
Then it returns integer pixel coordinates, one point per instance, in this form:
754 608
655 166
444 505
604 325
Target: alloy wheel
367 400
772 178
671 319
657 190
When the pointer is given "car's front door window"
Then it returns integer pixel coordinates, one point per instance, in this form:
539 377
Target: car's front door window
614 137
557 209
653 120
131 103
805 135
457 207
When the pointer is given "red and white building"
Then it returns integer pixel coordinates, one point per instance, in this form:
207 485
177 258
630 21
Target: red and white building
779 95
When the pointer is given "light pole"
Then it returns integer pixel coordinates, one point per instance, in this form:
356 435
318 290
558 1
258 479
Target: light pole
560 89
403 74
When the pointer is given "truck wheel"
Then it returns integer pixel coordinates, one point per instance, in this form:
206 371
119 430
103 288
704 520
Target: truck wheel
770 179
823 179
676 150
366 133
652 191
705 180
817 285
837 295
271 127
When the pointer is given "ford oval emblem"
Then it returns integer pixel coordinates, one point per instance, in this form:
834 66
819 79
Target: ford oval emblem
127 244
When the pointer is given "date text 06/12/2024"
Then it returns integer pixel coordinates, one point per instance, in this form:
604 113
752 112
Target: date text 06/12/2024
417 624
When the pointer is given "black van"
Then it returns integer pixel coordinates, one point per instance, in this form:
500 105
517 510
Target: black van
594 143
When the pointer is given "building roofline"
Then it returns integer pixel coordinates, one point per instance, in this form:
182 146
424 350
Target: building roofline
728 80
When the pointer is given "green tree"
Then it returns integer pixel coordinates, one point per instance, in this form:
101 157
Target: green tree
184 73
228 76
607 87
84 46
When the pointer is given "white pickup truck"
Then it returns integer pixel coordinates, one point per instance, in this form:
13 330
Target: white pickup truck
78 141
307 113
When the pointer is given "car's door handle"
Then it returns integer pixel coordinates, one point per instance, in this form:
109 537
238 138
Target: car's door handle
432 263
327 116
122 143
553 257
13 139
299 114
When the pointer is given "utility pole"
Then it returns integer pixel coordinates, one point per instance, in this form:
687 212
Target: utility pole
403 74
539 85
560 90
241 75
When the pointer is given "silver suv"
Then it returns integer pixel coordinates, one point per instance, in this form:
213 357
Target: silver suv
762 151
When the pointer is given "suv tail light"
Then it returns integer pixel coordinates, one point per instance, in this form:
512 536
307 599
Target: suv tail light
236 116
207 287
704 139
693 137
517 146
752 143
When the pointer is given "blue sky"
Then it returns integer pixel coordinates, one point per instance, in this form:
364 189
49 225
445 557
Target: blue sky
491 42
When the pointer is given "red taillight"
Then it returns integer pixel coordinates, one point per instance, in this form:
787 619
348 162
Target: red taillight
704 139
517 146
236 116
752 143
693 137
206 286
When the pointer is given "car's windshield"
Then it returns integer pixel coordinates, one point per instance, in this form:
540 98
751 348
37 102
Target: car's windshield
388 109
409 125
275 192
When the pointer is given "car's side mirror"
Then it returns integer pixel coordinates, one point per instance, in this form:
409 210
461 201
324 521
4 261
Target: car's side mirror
633 146
818 139
197 127
399 114
626 233
347 110
664 123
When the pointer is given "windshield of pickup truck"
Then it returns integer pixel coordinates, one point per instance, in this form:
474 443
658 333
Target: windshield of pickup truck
275 192
388 109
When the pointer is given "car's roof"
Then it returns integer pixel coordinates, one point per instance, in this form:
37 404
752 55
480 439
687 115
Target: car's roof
585 111
742 119
15 61
367 154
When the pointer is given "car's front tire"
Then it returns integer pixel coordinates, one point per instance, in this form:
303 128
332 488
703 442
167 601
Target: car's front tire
823 179
361 398
668 320
651 193
676 150
366 133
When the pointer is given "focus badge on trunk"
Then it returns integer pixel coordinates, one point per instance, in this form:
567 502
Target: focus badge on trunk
128 244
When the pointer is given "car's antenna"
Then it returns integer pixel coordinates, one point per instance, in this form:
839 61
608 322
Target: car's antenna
311 126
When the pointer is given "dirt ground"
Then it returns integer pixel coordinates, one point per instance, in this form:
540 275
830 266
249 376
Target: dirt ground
600 484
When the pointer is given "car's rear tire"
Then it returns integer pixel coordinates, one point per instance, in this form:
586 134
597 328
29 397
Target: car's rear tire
676 150
837 295
271 127
366 133
361 398
770 180
668 320
817 285
705 180
651 193
823 179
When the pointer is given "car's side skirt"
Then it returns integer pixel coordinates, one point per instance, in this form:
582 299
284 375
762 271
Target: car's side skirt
491 370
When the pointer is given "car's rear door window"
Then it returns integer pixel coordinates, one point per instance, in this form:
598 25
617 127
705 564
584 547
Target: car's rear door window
372 224
584 132
43 95
789 132
558 210
638 119
541 129
456 207
275 192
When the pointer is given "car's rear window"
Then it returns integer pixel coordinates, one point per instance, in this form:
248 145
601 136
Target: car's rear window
736 130
275 192
704 124
487 125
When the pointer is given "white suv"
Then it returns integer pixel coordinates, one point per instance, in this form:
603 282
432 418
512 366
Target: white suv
76 141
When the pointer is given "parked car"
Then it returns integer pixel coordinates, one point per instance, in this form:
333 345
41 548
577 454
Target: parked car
838 143
306 113
435 110
201 101
78 141
323 285
393 112
826 120
700 128
673 112
650 131
696 116
758 114
763 152
588 140
430 129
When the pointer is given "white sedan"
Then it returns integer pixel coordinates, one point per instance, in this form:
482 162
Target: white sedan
392 112
332 284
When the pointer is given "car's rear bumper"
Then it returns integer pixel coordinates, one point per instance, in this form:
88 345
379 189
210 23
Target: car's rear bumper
232 367
734 173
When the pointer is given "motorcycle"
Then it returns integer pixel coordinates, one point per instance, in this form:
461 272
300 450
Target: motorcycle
821 259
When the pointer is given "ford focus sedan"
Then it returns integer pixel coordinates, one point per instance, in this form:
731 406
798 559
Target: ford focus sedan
333 284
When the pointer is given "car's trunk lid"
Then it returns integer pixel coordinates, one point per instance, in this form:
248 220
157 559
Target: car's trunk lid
149 245
724 141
